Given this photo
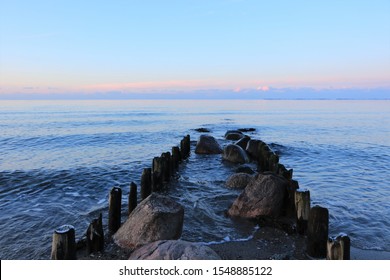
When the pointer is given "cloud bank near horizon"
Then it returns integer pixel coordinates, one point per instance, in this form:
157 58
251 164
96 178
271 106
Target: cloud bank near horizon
263 92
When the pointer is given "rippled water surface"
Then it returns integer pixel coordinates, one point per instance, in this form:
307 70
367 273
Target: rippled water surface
59 160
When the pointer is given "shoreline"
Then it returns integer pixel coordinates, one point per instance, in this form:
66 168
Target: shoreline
267 243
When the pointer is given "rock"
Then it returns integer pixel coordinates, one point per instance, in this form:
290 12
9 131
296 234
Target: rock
174 250
238 181
235 154
202 129
233 131
234 136
243 142
207 145
264 196
247 129
253 148
157 217
245 169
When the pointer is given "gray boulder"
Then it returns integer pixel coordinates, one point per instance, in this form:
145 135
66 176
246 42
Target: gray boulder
264 196
235 154
207 145
238 181
157 217
174 250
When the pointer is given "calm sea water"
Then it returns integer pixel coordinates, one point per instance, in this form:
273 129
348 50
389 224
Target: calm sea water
59 160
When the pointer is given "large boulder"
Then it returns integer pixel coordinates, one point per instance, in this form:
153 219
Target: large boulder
264 196
235 154
157 217
243 142
233 135
252 148
238 181
207 145
174 250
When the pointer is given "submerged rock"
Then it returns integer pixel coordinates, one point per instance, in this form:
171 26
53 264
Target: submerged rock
202 129
235 154
238 181
264 196
207 145
174 250
157 217
247 129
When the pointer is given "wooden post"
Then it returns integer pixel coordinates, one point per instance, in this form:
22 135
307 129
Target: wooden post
339 248
302 208
317 232
157 173
64 243
289 201
185 147
95 236
188 144
175 157
114 212
146 183
132 197
166 166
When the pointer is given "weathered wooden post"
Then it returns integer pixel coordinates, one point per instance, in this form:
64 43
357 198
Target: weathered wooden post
302 208
157 174
132 197
146 183
317 232
166 166
338 248
289 202
175 157
95 236
64 243
185 147
114 212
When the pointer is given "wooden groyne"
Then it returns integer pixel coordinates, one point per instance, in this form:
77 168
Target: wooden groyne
312 222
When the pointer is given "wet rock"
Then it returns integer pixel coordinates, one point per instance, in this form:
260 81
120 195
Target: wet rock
157 217
235 154
234 136
174 250
247 129
245 169
238 181
202 129
253 148
233 131
263 197
243 142
207 145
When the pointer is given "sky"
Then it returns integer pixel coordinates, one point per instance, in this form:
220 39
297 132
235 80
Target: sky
189 48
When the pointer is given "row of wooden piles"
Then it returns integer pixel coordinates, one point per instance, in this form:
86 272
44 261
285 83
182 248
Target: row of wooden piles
152 179
310 221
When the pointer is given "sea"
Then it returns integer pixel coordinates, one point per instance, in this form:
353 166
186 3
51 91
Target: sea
60 159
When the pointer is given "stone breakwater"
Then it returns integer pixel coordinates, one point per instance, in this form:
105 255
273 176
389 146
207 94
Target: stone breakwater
270 197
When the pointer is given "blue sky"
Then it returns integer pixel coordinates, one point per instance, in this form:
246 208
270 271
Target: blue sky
82 48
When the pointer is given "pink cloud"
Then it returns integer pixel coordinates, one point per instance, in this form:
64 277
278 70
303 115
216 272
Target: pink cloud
263 88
